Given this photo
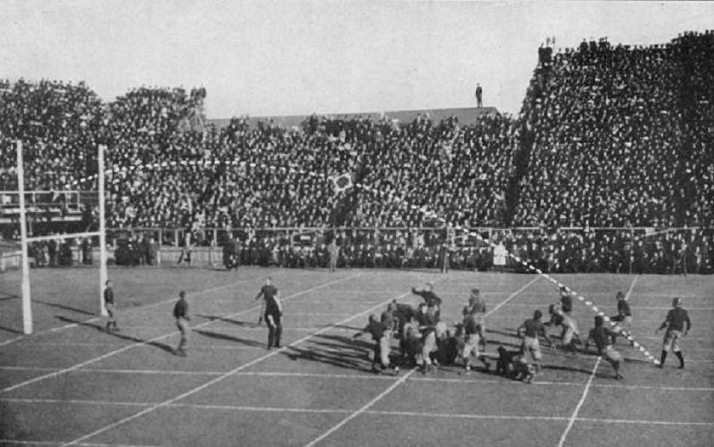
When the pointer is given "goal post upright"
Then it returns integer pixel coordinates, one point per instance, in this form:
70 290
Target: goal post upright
103 275
26 297
27 321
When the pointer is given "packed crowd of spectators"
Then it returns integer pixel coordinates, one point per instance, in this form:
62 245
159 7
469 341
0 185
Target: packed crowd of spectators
611 136
167 168
565 251
56 122
621 135
271 176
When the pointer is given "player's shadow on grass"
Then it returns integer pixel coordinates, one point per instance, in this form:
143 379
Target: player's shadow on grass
228 320
100 328
62 306
220 336
8 296
11 330
567 368
339 351
340 326
504 331
343 343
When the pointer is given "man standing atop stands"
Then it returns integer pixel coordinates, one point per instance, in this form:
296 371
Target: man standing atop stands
479 95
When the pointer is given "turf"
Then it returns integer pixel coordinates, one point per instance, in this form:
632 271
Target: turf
71 382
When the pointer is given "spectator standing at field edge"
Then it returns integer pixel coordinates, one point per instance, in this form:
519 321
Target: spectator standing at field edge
334 252
109 305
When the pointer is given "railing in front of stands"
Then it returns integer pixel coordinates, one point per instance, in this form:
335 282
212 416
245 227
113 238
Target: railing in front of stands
39 199
176 237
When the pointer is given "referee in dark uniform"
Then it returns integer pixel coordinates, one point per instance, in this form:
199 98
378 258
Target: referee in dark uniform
182 319
272 312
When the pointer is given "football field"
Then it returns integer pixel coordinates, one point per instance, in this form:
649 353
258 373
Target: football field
71 383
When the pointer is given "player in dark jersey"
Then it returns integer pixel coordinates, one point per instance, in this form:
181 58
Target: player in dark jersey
566 301
678 325
477 306
382 347
476 303
430 298
402 314
109 305
428 318
473 332
389 319
530 330
182 319
512 365
624 314
272 312
604 340
411 345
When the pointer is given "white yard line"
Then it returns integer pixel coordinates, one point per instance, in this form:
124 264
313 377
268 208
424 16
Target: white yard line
559 384
161 337
106 403
609 306
632 286
401 380
510 297
8 442
574 416
337 410
659 337
366 407
214 320
265 409
590 381
475 380
227 374
466 416
12 340
635 421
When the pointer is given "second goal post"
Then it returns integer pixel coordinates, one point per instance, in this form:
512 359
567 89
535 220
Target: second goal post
26 240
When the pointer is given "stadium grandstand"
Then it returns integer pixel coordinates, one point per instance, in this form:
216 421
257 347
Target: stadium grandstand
612 148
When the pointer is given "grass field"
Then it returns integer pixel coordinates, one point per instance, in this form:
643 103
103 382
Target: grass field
72 384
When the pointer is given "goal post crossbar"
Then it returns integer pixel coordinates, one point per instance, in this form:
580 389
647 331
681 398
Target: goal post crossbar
63 236
27 321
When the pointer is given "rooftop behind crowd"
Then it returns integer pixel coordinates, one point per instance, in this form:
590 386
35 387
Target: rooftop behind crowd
607 136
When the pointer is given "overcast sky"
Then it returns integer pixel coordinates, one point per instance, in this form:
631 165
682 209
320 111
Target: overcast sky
288 57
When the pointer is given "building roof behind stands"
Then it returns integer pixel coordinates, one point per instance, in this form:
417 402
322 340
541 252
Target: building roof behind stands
468 115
